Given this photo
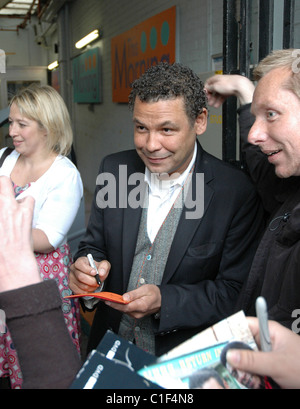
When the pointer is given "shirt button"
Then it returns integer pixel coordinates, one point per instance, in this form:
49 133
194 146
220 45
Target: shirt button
142 281
149 257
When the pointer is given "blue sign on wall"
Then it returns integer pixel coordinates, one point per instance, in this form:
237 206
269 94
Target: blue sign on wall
87 77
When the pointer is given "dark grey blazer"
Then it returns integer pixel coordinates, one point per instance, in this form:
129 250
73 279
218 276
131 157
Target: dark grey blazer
209 260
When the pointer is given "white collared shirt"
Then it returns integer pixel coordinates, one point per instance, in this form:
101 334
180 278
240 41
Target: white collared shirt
162 195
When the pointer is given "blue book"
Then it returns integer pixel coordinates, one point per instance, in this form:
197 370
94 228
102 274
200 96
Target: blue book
114 365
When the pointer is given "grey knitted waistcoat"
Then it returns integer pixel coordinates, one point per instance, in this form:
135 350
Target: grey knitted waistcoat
148 267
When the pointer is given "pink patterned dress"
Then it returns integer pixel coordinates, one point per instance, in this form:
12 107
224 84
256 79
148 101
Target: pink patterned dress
55 266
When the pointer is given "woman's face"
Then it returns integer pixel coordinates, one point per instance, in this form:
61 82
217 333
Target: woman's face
28 137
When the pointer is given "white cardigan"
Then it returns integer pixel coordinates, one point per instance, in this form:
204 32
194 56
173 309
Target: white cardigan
57 196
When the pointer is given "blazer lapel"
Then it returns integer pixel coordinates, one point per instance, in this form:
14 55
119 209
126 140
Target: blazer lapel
131 223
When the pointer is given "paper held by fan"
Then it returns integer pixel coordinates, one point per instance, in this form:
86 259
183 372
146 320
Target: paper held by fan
105 296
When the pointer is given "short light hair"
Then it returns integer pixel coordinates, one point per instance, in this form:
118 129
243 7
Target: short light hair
286 59
44 105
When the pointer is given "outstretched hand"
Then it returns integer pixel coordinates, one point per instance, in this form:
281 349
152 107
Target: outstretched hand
18 267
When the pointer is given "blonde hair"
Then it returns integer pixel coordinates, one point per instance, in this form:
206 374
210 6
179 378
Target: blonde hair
44 105
285 59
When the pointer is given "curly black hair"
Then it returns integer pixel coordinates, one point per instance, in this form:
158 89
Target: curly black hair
165 81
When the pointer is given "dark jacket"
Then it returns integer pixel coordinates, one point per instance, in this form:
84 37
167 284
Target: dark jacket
209 259
275 273
46 353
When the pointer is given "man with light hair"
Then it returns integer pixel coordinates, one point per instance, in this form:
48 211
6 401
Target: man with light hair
272 154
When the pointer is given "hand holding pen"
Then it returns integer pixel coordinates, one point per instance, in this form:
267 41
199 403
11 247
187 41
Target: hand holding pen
93 265
282 364
82 276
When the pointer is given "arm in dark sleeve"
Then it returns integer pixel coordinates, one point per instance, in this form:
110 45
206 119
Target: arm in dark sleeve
46 353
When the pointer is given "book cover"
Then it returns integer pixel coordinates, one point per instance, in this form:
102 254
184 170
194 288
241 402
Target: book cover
201 360
98 372
233 328
117 348
189 369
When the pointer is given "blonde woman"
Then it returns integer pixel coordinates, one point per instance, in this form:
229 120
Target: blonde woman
39 126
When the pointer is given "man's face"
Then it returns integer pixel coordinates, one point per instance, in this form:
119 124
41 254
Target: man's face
164 136
277 126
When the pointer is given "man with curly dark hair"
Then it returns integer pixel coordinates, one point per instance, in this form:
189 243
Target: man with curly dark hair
164 81
172 228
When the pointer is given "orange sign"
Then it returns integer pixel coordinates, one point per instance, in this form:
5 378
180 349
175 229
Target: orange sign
136 50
